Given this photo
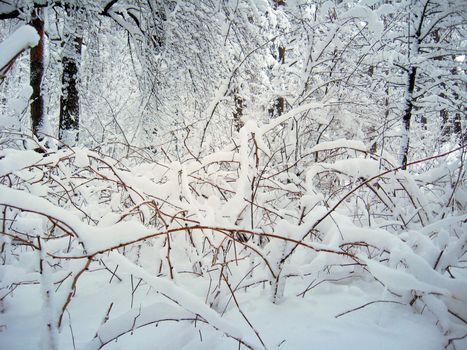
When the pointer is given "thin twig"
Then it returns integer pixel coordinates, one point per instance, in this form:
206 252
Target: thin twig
241 312
365 305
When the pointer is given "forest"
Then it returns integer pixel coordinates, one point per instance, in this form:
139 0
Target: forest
233 174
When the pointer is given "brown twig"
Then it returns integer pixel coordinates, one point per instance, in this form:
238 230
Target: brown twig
365 305
241 312
72 291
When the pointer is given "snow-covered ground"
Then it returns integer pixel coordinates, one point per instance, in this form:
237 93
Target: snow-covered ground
296 323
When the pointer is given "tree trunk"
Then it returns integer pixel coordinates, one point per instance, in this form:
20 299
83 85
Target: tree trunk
280 103
406 118
36 76
238 113
69 100
411 78
278 3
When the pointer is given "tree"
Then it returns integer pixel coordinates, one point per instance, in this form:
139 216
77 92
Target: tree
430 64
76 14
37 75
71 58
279 103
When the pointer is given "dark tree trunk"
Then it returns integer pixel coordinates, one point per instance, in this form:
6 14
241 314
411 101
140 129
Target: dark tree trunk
409 97
278 3
278 107
36 76
69 100
280 102
407 116
457 123
456 118
446 127
237 115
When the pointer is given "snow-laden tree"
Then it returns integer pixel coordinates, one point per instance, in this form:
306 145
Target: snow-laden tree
63 21
427 44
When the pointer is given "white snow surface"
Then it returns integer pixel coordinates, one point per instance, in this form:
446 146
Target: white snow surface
294 324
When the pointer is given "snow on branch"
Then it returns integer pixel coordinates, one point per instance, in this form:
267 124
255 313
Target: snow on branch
23 38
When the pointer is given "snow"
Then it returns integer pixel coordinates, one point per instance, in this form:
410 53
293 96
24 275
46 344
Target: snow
378 326
12 160
399 280
153 284
169 225
23 38
184 299
286 116
81 158
173 304
341 143
19 104
356 167
374 23
134 319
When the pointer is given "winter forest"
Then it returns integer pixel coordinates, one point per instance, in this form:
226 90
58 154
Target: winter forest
233 174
